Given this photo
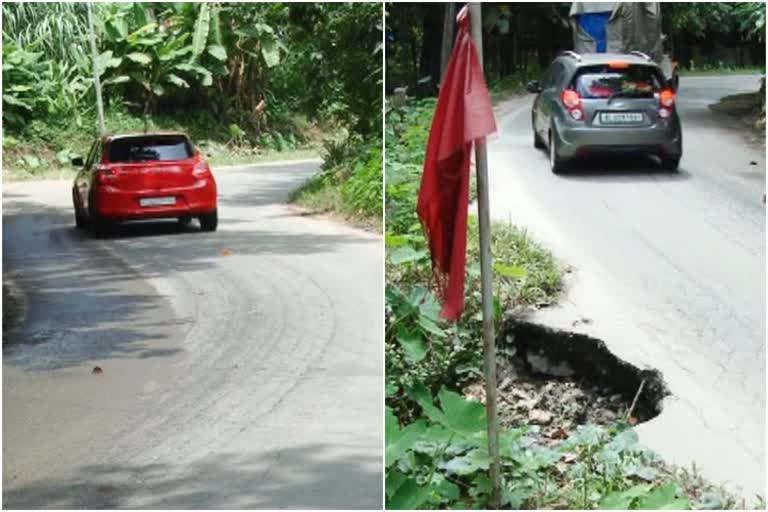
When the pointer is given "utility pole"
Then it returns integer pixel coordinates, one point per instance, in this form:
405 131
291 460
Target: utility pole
486 276
96 80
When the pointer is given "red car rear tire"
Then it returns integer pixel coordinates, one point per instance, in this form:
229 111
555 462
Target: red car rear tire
209 221
80 221
97 225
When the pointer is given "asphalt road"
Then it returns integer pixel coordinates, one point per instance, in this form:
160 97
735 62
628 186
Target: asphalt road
240 369
669 268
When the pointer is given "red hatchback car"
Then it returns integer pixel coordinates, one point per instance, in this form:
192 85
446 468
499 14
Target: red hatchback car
143 176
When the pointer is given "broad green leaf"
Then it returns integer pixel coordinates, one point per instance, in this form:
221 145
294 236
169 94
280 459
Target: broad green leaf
271 52
106 61
140 13
117 28
465 417
177 81
412 343
393 241
214 36
218 52
202 27
401 440
121 79
663 498
394 480
405 254
514 496
509 271
135 36
421 395
430 308
622 500
13 100
169 55
430 326
409 496
31 161
139 58
468 463
158 89
447 490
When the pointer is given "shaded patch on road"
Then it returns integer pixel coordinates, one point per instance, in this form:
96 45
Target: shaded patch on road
13 307
310 475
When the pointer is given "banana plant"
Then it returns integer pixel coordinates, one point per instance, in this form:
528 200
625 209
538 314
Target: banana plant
157 54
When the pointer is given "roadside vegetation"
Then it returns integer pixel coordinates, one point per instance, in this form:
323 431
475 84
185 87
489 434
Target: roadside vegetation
248 81
436 445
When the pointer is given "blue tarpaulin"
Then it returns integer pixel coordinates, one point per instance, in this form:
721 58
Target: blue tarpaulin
594 24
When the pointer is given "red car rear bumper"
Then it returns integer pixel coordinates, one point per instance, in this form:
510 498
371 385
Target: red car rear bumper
115 204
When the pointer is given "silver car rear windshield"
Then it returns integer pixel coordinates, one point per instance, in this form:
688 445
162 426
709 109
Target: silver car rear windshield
604 82
150 148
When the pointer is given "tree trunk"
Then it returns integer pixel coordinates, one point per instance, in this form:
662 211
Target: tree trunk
448 24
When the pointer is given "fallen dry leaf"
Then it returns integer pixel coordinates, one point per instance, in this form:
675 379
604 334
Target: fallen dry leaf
106 490
558 433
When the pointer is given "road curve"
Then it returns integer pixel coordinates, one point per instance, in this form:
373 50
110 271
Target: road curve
669 268
240 369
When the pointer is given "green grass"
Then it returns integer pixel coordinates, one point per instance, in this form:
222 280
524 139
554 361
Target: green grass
349 184
222 159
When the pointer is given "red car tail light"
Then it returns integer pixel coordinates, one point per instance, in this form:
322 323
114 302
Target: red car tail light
104 175
572 102
201 170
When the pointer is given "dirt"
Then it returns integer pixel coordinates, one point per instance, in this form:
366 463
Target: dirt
743 113
556 404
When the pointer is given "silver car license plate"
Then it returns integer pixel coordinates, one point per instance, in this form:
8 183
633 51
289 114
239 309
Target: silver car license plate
157 201
621 117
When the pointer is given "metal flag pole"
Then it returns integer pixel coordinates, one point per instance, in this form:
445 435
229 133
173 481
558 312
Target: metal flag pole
96 81
486 272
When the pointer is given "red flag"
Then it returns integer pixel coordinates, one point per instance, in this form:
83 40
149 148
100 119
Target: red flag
463 114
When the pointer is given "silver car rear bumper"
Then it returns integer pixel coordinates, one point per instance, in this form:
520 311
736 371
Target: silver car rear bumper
663 138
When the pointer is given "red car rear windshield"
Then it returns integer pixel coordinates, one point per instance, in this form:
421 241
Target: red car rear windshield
150 148
604 82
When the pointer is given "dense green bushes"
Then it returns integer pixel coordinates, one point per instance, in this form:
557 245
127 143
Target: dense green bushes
243 77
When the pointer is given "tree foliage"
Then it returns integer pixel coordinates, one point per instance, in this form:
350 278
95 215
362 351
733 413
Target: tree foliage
257 65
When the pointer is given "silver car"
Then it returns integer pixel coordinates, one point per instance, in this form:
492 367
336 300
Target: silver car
605 103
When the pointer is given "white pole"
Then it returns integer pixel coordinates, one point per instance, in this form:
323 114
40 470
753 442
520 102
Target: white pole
96 81
486 273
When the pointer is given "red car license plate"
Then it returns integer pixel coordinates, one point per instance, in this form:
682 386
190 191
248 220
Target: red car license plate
157 201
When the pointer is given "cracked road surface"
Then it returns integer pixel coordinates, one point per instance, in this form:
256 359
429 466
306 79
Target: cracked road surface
241 369
670 268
